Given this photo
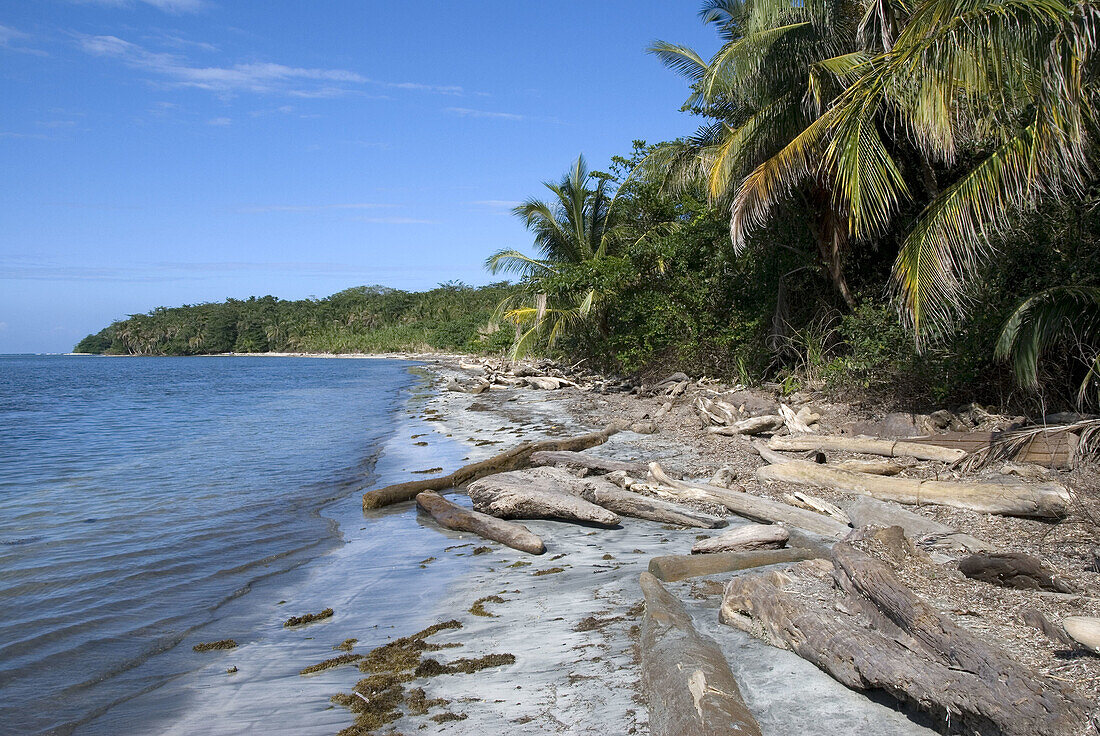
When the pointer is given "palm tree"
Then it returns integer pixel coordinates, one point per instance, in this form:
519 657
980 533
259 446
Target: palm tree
572 229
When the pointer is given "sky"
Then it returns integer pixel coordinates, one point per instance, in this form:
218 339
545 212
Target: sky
165 152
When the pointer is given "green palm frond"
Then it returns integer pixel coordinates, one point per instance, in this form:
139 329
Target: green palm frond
513 261
1048 318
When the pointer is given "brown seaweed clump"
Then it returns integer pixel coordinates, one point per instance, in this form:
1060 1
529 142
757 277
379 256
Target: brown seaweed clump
463 665
548 571
209 646
308 618
448 716
418 703
330 663
346 645
478 609
374 701
482 550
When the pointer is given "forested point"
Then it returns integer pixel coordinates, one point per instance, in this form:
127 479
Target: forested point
363 319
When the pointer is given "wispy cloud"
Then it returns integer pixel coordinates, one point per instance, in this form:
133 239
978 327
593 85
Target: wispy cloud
435 88
467 112
397 221
13 134
168 6
13 40
312 207
497 203
220 121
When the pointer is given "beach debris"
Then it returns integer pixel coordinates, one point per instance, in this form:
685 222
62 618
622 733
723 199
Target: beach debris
517 457
584 461
691 690
328 664
231 670
867 446
211 646
927 533
743 538
724 478
895 641
346 645
671 568
535 494
1085 630
1013 570
478 608
548 571
308 618
452 516
757 508
753 425
820 505
1011 497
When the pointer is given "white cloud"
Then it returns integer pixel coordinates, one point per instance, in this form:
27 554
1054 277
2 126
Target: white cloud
168 6
12 40
220 121
312 207
469 113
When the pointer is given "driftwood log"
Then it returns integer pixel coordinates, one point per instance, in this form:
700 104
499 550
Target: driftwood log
752 507
743 539
452 516
1085 630
867 446
820 505
517 457
688 683
751 426
1009 498
584 461
539 493
873 633
1013 570
867 511
671 568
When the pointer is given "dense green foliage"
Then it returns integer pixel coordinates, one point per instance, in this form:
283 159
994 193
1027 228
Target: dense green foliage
362 319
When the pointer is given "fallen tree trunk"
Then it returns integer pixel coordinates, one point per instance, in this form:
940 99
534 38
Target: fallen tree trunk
536 494
880 636
628 503
752 507
745 538
689 686
867 446
584 461
517 457
754 425
452 516
671 568
867 511
1016 498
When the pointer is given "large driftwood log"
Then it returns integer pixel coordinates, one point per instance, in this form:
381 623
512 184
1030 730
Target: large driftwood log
867 446
875 467
584 461
867 511
671 568
539 493
1010 498
517 457
452 516
688 683
752 507
753 425
1085 630
744 539
1013 570
881 636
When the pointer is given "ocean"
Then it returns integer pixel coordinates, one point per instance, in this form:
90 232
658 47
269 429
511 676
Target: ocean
147 504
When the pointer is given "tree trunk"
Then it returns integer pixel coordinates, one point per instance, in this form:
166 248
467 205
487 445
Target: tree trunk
452 516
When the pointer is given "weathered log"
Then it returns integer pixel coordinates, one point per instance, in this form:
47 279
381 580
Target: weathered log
749 506
1042 500
751 426
671 568
584 461
867 511
538 493
665 409
1013 570
691 690
1085 630
517 457
820 505
885 638
743 539
874 467
792 420
867 446
452 516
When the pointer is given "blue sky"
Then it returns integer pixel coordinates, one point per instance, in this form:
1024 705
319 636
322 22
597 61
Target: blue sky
161 152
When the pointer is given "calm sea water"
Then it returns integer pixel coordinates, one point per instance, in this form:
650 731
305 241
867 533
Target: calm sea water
139 495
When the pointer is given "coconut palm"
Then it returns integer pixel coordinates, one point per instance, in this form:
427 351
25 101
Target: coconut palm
574 231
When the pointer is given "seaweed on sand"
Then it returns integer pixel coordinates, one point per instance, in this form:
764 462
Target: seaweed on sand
209 646
478 609
330 663
308 618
